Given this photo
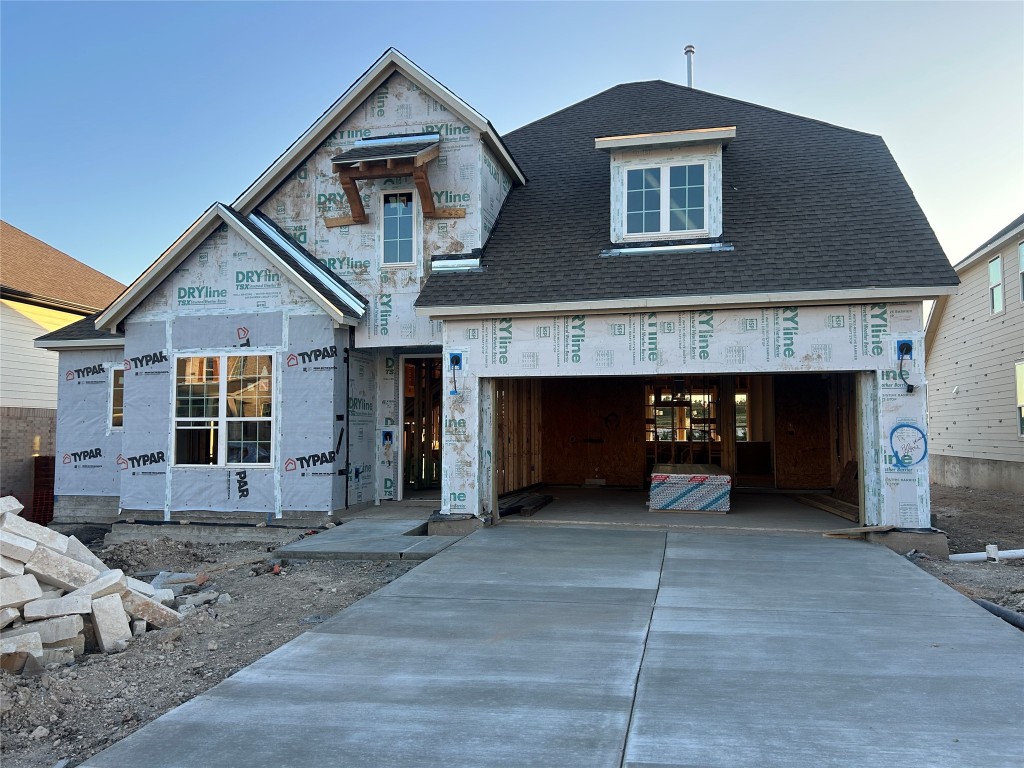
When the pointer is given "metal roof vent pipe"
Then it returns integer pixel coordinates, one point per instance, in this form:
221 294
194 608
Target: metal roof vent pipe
689 51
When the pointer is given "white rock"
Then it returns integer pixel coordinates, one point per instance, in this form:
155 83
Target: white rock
61 606
10 506
10 567
7 615
61 571
55 630
111 623
18 590
58 542
16 547
78 551
107 583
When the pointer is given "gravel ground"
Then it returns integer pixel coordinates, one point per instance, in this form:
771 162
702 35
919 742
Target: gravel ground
74 712
972 519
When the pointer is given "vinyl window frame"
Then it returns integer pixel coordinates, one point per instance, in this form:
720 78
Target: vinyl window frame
117 371
415 245
1018 382
997 288
665 233
1020 268
222 419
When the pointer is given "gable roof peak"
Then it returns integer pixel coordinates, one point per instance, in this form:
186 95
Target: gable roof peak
391 61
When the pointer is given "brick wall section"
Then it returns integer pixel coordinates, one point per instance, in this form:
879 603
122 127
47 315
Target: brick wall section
85 509
24 433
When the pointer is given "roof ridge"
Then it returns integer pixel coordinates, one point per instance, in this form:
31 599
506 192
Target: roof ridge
703 93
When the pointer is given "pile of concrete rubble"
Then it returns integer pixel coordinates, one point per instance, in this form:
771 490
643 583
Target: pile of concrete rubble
58 600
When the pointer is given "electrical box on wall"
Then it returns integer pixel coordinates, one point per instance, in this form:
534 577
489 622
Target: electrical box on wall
905 349
456 359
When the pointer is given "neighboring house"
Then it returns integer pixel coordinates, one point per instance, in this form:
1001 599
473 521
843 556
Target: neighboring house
406 301
41 289
975 342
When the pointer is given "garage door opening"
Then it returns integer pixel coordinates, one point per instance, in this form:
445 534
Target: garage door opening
773 432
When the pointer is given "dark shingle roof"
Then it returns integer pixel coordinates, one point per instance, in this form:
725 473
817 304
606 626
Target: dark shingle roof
807 205
81 330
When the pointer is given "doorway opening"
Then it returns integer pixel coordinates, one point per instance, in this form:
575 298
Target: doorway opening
421 424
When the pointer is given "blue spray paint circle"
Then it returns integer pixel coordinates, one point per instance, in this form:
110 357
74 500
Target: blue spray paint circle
912 449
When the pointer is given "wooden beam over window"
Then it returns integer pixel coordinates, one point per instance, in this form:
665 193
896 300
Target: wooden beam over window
394 167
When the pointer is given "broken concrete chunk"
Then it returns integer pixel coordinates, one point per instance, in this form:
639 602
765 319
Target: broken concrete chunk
7 615
200 598
10 506
57 656
138 627
59 570
10 567
61 606
18 590
164 596
107 583
58 542
141 587
55 630
110 623
16 547
27 643
76 644
142 607
78 551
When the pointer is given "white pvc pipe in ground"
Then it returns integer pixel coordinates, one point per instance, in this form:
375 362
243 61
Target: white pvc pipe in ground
980 557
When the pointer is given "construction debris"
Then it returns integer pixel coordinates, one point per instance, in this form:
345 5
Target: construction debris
102 608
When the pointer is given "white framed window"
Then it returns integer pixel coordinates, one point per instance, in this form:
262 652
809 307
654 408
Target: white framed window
666 199
1020 266
397 217
223 410
995 285
1019 374
116 421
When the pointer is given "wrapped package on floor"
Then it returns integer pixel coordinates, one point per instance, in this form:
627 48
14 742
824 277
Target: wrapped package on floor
693 493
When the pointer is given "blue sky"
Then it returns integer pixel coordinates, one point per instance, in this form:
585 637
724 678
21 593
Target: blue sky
121 122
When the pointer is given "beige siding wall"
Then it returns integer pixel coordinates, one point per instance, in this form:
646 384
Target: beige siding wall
28 376
974 353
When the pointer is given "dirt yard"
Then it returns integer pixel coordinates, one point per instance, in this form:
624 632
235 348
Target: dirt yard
73 712
973 519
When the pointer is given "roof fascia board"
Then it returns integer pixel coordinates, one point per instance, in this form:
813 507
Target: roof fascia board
384 67
23 297
964 264
668 139
646 304
133 295
79 344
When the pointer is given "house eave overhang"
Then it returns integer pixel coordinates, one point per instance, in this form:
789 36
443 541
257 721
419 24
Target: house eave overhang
79 344
202 228
14 294
668 139
979 255
392 61
667 303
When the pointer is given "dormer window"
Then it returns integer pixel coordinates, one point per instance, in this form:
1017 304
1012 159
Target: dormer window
665 199
666 186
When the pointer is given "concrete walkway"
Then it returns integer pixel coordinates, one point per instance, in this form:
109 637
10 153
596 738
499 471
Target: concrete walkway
548 646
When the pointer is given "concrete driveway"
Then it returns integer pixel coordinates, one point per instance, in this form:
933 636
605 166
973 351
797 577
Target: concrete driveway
553 646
